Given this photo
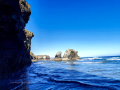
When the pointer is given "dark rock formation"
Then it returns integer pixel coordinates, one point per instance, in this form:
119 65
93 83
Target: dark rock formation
70 54
58 55
14 53
27 42
43 57
28 38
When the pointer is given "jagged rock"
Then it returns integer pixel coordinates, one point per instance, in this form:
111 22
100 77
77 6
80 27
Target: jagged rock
14 53
58 55
28 37
43 57
32 56
70 54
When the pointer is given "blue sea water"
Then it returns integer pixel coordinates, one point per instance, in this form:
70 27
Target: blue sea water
89 73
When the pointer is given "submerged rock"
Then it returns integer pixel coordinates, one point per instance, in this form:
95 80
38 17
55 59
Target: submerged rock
14 52
71 54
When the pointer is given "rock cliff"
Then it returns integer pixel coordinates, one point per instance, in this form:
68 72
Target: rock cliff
28 37
14 52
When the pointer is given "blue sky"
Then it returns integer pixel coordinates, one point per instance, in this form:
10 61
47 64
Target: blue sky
91 27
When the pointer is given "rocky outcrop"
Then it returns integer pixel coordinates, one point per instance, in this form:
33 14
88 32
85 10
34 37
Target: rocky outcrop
32 56
70 54
58 55
14 52
28 37
43 57
27 42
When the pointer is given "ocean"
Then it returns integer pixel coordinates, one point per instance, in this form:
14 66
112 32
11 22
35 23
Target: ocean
89 73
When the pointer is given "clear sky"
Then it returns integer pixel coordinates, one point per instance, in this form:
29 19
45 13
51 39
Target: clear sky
91 27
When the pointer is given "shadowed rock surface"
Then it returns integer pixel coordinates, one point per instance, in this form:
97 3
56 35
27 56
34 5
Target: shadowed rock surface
28 38
14 52
70 54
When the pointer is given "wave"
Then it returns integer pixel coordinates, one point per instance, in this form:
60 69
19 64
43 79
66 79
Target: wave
85 62
114 58
92 58
80 84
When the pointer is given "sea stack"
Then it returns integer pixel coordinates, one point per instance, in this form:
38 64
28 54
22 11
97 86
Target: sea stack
58 56
70 54
14 45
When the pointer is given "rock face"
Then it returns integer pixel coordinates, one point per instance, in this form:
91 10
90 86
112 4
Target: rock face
43 57
14 52
71 54
32 56
58 55
28 37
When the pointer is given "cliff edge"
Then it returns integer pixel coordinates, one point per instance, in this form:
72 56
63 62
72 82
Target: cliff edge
14 51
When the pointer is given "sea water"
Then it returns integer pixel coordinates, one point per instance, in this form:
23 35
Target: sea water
89 73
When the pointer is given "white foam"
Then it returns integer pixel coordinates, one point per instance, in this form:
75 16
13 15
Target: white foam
90 62
113 59
86 62
93 58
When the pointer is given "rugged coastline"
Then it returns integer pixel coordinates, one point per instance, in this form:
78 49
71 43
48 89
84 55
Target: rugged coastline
14 44
69 54
15 40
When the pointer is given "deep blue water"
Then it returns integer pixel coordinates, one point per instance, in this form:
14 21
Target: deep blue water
90 73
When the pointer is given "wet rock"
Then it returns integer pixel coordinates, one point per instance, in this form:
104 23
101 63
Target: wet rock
71 54
14 53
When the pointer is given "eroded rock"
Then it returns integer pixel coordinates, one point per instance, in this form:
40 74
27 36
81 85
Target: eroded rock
14 53
71 54
58 55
